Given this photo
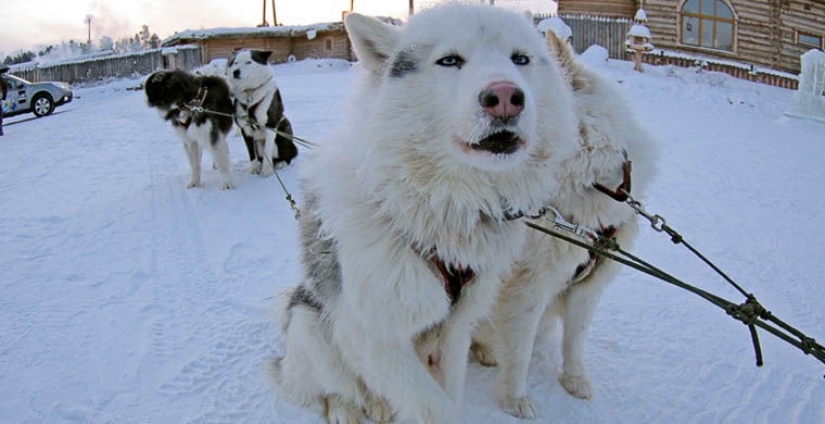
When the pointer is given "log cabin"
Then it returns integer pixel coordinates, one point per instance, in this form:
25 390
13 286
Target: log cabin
766 33
328 40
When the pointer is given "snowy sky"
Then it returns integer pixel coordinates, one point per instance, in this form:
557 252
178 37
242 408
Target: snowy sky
29 24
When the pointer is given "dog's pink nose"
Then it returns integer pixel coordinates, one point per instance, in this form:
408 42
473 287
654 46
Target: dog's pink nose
502 100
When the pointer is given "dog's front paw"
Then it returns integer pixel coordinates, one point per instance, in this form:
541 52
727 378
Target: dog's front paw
265 171
522 407
483 354
227 186
339 412
576 385
279 164
255 168
378 411
193 184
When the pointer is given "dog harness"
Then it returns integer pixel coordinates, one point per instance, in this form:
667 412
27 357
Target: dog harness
586 268
621 193
453 277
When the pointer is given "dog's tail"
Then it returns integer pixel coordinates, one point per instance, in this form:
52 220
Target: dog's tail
281 307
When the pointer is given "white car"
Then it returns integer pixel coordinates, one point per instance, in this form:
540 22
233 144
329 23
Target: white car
39 98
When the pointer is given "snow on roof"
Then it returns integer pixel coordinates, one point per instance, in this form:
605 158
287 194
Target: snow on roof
639 30
274 31
641 16
556 25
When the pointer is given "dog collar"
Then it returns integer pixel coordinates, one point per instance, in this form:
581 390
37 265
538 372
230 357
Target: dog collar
251 92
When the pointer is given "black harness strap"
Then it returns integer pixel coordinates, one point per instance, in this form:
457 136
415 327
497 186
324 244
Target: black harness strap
584 269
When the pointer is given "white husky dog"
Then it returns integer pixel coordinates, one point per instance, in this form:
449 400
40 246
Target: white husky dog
553 278
408 218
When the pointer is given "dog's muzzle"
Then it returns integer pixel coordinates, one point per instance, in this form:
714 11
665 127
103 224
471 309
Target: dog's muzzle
503 142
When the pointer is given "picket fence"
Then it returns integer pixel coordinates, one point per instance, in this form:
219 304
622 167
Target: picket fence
94 69
609 33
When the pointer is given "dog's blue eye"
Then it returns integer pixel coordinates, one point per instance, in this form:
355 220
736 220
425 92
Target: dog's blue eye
452 60
520 59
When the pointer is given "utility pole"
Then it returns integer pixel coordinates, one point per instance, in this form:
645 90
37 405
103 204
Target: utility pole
89 23
263 17
412 8
274 18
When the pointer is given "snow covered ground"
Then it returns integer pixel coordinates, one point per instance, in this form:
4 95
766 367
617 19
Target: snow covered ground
125 298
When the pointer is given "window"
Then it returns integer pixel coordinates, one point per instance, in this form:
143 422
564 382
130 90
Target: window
809 40
708 23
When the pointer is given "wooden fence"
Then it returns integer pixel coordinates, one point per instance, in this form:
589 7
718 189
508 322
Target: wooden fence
609 33
115 66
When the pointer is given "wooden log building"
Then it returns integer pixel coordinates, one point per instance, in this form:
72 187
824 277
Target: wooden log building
299 42
768 33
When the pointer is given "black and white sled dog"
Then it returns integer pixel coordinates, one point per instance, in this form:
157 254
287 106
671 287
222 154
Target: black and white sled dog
173 93
259 110
409 222
553 278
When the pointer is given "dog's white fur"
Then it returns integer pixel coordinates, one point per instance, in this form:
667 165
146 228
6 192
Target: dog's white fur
539 289
401 178
195 140
256 85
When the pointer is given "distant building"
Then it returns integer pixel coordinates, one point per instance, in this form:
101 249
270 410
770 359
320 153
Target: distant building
768 33
327 40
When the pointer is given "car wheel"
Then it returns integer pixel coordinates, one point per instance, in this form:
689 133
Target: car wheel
42 105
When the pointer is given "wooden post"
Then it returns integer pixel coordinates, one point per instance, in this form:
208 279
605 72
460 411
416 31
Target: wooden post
263 16
637 60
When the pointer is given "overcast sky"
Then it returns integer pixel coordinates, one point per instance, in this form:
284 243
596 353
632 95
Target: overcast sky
33 24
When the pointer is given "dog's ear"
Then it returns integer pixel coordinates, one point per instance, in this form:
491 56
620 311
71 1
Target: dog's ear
573 71
232 58
261 56
529 16
372 40
157 76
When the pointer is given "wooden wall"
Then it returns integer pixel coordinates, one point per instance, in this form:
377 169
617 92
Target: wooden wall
102 68
328 44
609 33
766 30
609 8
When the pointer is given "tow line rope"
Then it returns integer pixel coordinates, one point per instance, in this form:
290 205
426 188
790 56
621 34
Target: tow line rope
751 312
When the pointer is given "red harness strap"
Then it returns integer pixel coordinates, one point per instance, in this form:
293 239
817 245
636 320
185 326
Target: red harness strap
454 278
620 194
586 268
